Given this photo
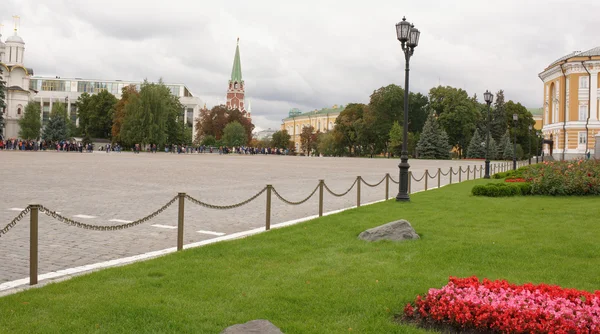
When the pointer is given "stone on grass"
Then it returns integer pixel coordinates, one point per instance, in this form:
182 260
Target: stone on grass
399 230
253 327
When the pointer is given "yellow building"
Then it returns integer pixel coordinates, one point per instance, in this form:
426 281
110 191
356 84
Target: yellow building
537 117
570 122
321 120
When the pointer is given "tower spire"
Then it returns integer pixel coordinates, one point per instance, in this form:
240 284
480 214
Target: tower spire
236 71
16 18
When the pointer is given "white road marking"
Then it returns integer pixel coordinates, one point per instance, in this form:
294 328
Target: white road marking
164 226
120 221
16 209
211 233
85 216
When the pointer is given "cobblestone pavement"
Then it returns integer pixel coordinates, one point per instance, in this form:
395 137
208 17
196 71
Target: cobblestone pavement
99 187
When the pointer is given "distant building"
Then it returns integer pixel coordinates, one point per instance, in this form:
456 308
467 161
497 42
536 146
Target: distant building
570 121
537 117
23 87
264 134
321 120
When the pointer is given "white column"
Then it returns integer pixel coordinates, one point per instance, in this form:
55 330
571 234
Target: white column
594 97
42 109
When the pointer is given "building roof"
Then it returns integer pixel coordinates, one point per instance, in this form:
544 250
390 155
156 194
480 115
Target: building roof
324 111
15 38
589 53
236 71
17 88
535 111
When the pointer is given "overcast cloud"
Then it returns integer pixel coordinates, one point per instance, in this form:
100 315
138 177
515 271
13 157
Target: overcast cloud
304 54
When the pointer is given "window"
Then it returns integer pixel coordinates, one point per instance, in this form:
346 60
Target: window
18 111
583 82
55 85
583 112
582 138
46 112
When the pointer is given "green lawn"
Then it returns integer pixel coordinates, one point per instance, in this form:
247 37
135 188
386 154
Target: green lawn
316 277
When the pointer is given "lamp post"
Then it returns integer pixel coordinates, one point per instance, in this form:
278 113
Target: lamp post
529 140
408 36
515 119
488 97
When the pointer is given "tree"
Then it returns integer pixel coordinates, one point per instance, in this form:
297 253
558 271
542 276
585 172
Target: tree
236 115
458 114
417 112
347 125
525 119
476 148
2 103
234 134
308 139
498 124
96 114
57 127
433 143
119 113
395 136
443 147
209 140
507 146
212 122
281 139
493 150
31 123
386 105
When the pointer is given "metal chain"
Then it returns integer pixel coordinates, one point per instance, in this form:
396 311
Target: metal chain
445 174
431 176
391 179
453 173
294 203
419 180
225 207
14 222
75 223
340 195
373 185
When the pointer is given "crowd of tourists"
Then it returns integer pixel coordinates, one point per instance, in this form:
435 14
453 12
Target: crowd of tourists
42 145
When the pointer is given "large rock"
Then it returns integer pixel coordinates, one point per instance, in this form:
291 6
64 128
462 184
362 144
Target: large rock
399 230
253 327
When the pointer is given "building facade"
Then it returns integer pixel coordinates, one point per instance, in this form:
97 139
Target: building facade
23 88
321 120
570 118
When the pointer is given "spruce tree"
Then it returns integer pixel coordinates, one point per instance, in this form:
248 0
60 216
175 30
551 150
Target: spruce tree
57 127
2 103
476 146
493 150
500 144
498 125
443 147
430 139
507 152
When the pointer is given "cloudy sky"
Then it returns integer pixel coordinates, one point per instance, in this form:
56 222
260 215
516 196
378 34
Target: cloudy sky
304 54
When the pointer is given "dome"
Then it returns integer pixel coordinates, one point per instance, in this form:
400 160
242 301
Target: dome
15 39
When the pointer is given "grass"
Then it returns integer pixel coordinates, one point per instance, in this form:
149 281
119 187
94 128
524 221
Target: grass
316 277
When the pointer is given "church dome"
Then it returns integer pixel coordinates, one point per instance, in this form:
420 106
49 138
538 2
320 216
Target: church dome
15 39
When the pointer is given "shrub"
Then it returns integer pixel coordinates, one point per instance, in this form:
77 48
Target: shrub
501 189
564 178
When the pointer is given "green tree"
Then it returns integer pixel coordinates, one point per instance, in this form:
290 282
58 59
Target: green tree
281 139
493 150
525 119
96 115
395 136
347 126
443 146
56 129
476 147
209 140
234 134
2 103
119 113
31 123
458 114
430 138
498 125
328 145
507 146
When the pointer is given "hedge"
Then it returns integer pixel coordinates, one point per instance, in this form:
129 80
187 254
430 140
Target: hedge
501 189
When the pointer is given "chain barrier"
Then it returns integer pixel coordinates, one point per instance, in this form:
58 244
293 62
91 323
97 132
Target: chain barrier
446 174
394 181
14 222
225 207
75 223
291 202
340 195
431 176
419 180
372 185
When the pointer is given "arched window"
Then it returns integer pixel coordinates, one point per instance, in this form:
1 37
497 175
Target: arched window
235 85
18 111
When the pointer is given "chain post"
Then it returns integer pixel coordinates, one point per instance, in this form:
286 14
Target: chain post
426 175
358 182
468 172
409 181
33 244
387 186
268 213
439 178
180 216
451 172
459 174
321 197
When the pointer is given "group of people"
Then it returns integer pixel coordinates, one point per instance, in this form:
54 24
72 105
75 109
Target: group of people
42 145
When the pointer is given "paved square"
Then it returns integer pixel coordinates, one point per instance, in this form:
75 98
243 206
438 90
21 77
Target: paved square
115 188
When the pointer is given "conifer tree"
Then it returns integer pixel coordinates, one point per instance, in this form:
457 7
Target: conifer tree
507 152
498 125
430 139
476 146
443 147
493 150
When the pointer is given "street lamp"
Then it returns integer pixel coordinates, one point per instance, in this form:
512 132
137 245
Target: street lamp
515 119
529 140
488 97
408 36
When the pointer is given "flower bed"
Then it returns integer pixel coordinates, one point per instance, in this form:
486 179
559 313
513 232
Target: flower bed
515 180
498 306
575 177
